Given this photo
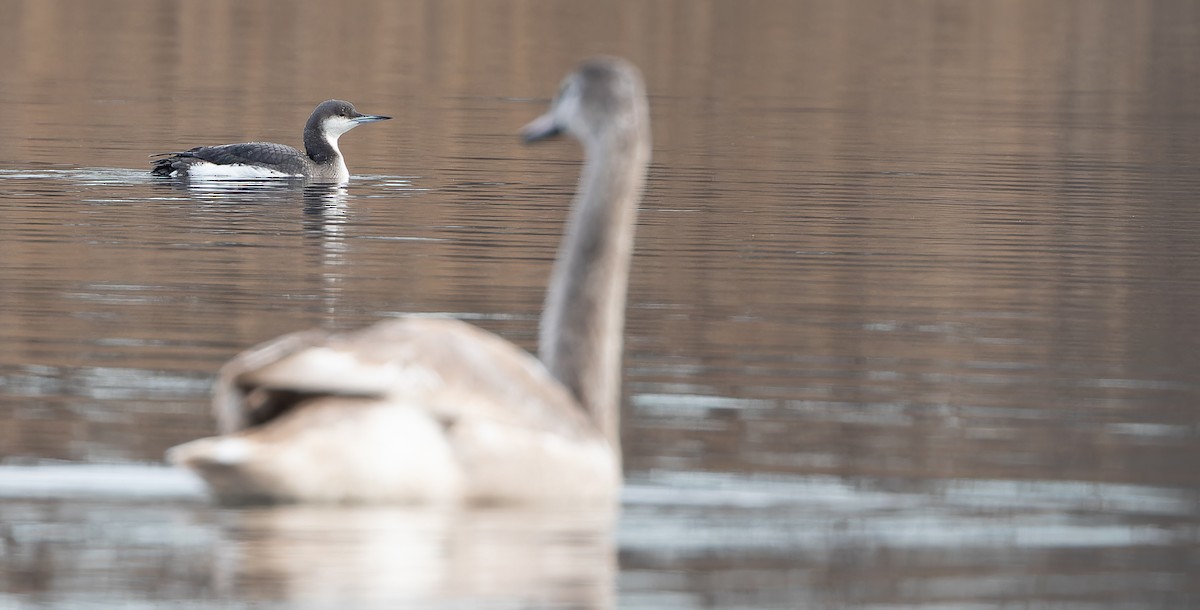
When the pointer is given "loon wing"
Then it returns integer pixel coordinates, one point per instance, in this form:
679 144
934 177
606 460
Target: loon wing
265 154
268 155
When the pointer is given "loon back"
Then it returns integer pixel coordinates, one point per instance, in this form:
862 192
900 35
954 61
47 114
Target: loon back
266 157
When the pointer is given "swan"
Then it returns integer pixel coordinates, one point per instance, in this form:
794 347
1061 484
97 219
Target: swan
425 410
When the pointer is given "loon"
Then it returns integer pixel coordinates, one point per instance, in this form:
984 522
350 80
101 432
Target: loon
321 160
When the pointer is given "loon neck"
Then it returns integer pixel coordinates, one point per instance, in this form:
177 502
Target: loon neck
322 147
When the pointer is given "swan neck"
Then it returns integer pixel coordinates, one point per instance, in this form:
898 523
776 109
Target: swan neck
584 316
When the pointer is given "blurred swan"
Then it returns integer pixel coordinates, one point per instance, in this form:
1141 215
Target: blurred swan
428 410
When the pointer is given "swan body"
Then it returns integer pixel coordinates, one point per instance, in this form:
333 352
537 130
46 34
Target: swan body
437 410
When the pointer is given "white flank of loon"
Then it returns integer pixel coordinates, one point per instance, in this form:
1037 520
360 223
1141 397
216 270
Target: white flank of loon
321 160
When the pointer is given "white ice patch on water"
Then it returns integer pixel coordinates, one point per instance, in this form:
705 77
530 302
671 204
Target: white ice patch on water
115 481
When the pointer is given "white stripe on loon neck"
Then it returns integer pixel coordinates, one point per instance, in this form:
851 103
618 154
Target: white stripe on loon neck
333 128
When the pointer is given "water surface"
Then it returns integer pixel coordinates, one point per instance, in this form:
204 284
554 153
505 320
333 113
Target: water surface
912 320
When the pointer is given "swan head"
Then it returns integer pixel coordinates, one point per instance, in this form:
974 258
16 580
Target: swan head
603 98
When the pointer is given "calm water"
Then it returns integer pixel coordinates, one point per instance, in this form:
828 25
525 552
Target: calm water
913 320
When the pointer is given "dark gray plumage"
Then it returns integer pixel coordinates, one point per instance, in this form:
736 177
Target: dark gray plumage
321 160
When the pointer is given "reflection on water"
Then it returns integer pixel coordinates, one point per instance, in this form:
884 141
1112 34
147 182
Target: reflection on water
783 542
912 318
78 535
102 549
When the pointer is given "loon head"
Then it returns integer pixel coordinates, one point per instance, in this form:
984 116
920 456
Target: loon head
335 117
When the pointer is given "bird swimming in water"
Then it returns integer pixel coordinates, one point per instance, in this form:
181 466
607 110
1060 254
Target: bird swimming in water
321 160
440 411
